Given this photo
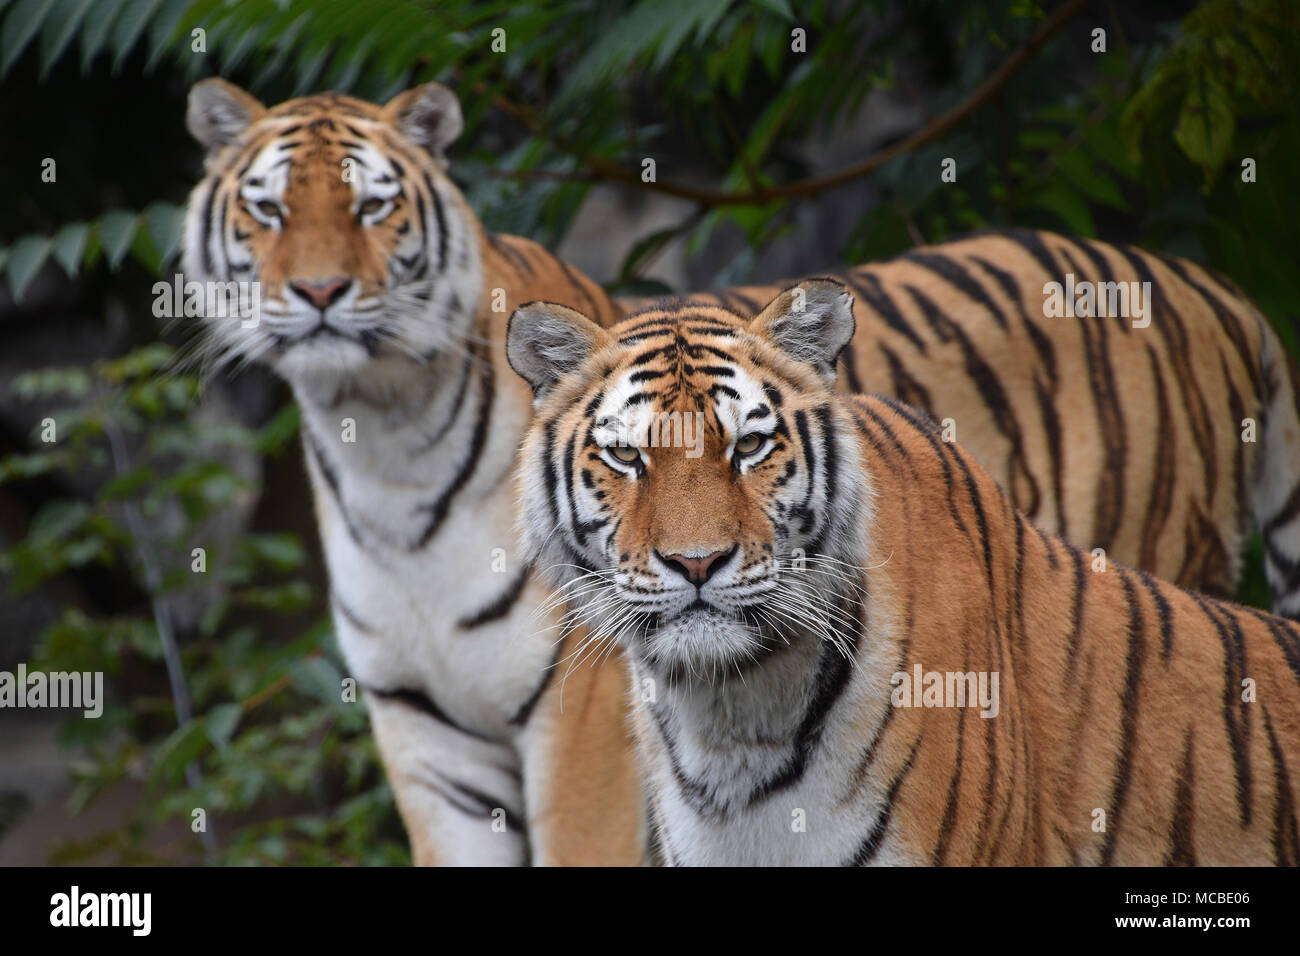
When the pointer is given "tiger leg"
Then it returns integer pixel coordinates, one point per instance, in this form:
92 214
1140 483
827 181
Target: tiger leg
581 777
460 796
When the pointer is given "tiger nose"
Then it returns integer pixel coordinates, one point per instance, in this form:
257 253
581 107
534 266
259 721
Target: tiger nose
322 293
695 569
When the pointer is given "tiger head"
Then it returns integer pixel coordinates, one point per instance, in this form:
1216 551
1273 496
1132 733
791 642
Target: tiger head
688 480
362 250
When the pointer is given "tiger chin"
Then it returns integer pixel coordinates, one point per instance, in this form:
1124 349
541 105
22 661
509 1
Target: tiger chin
796 598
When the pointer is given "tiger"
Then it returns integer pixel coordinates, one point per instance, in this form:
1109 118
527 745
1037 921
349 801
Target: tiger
1133 402
848 647
383 305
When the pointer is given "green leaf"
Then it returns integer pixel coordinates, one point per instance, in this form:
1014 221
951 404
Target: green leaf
318 678
221 722
25 260
95 31
59 33
1206 124
1066 205
282 551
20 26
165 222
128 27
116 230
56 521
181 747
780 7
69 245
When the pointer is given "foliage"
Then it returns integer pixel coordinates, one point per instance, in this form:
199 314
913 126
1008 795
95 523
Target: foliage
1143 143
269 719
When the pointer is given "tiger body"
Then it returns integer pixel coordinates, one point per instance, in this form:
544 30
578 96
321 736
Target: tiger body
378 309
1156 435
777 592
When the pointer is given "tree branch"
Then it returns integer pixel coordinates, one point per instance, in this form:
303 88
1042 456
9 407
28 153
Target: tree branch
598 168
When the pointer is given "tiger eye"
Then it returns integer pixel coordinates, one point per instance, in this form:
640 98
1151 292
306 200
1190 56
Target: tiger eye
625 453
371 206
268 209
749 444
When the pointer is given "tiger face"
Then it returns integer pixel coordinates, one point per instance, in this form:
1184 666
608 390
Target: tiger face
362 249
685 476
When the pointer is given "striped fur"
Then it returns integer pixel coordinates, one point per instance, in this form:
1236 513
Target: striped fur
1115 437
771 590
410 424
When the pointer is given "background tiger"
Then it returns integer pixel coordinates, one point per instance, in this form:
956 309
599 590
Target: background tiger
378 289
777 591
1130 439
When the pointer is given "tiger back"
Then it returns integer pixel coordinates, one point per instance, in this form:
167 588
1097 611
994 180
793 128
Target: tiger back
849 647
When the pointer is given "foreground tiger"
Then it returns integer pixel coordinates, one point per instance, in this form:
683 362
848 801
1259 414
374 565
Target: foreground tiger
385 304
786 586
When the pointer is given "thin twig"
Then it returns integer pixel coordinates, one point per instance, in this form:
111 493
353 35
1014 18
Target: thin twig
162 616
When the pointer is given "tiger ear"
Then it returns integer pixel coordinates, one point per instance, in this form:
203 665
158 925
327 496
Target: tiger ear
811 322
428 115
546 341
219 111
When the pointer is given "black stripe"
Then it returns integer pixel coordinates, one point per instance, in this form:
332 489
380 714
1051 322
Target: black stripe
1286 834
1011 288
1163 481
474 802
332 482
951 271
349 615
1236 725
906 388
1182 846
1284 635
870 844
499 607
1110 422
954 791
206 230
442 222
520 716
834 670
421 701
1176 351
438 508
1022 486
1128 715
1236 335
869 290
1163 611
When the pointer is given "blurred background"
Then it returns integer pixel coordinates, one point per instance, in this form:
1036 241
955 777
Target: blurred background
777 153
